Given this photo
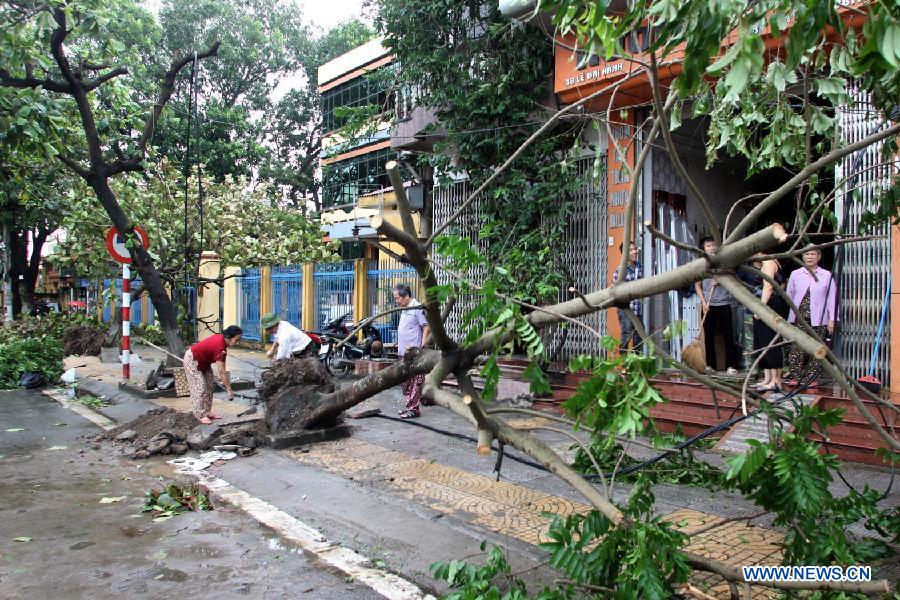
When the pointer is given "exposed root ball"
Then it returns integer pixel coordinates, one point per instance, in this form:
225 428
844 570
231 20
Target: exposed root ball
291 372
291 389
83 340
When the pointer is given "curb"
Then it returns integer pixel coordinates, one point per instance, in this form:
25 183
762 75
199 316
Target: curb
97 418
310 540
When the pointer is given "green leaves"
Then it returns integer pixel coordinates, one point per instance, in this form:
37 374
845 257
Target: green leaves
617 398
492 581
174 500
41 354
638 559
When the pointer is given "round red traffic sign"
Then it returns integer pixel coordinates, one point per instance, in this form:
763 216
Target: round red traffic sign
115 243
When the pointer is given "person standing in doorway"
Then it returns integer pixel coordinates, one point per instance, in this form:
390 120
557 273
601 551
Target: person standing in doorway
813 290
715 304
772 360
412 332
633 270
198 362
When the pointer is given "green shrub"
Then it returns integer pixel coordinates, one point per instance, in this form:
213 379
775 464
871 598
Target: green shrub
42 354
53 325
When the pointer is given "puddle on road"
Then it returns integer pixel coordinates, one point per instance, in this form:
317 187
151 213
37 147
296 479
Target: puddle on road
279 544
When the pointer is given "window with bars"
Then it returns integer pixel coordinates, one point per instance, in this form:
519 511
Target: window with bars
343 182
370 89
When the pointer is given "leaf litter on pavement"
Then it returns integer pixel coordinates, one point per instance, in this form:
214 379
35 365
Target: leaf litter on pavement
174 500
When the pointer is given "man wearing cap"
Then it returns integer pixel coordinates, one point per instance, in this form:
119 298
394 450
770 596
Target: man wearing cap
289 341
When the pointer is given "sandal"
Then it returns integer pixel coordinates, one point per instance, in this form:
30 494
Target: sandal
204 421
766 390
214 416
409 414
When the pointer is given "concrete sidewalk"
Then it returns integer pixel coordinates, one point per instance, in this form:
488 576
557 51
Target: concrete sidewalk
413 495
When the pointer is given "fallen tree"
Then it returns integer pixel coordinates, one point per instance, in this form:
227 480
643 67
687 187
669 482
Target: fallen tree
787 475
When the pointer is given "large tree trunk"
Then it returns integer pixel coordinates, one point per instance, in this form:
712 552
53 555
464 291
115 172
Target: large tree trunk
24 268
16 293
27 299
141 260
114 331
417 361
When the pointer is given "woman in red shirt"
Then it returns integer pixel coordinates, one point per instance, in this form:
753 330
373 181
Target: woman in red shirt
198 361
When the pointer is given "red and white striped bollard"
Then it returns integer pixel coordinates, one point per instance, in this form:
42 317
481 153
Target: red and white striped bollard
126 322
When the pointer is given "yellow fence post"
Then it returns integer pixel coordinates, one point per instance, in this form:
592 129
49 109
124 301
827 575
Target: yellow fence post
308 314
265 297
360 292
208 297
230 307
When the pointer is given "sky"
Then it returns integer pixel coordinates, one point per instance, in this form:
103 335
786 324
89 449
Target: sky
324 13
328 13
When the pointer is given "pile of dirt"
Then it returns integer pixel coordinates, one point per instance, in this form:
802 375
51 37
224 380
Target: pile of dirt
167 431
83 340
292 390
159 431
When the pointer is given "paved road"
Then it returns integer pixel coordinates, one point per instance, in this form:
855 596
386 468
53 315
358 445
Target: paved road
81 548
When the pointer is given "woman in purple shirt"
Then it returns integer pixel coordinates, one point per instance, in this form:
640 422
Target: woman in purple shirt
814 291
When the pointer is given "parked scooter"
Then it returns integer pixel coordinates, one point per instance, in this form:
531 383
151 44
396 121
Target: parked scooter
340 360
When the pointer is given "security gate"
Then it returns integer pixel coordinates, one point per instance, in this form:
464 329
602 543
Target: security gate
249 304
333 291
866 273
287 293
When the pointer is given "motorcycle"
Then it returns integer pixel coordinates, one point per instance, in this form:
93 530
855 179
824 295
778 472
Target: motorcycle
340 360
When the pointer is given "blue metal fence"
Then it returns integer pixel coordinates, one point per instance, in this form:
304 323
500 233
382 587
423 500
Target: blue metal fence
107 305
249 304
333 285
287 293
381 276
137 308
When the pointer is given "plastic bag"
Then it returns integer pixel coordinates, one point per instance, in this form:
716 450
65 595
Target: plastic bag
69 376
32 379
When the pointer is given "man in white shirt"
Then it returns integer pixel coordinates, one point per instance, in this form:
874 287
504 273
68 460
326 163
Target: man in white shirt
289 341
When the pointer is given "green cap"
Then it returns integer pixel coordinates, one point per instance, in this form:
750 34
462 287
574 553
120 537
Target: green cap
269 320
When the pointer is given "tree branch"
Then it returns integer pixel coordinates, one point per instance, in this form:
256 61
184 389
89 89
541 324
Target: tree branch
534 136
673 152
98 81
770 200
166 90
648 225
7 80
732 573
730 256
72 164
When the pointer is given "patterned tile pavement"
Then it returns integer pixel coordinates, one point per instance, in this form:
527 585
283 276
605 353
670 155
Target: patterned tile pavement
523 513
